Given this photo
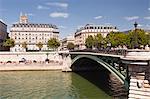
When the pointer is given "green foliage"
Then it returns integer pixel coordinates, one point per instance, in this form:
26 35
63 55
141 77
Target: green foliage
70 46
142 38
9 43
89 42
24 45
98 41
119 38
53 43
116 39
39 45
148 38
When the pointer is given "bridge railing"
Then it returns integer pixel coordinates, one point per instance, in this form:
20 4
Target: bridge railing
104 51
122 52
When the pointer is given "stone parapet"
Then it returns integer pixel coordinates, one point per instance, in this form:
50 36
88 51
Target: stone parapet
139 89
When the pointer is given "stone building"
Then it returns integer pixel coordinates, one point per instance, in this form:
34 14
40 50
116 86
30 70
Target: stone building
32 34
91 29
65 41
3 34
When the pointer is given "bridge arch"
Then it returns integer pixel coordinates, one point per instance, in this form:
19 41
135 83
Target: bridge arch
110 68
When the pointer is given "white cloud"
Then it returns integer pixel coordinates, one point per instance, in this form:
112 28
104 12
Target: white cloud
149 9
59 14
130 18
148 18
98 17
14 22
40 7
107 23
80 26
62 27
30 14
140 25
1 20
57 4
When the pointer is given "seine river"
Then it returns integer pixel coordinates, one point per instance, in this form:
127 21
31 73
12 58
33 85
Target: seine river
47 85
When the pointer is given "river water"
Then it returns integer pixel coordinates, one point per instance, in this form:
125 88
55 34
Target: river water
47 85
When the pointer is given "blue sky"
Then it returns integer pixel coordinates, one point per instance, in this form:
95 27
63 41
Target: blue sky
69 15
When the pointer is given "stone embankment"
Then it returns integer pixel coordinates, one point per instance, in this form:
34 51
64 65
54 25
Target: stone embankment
30 61
33 66
139 89
118 90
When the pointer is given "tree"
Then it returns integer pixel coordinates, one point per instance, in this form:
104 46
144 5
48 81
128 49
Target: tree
141 38
89 42
70 46
9 43
98 41
148 38
24 45
116 39
39 45
53 43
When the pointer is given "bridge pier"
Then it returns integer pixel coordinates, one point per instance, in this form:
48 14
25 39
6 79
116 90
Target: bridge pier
139 75
66 63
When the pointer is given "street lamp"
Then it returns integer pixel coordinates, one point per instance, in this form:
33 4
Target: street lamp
135 36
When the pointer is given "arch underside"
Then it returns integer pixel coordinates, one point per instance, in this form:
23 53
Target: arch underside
110 68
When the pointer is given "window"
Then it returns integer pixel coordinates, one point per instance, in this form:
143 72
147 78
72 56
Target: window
91 27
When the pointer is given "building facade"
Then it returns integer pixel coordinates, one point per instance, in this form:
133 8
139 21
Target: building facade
91 29
65 41
3 34
32 34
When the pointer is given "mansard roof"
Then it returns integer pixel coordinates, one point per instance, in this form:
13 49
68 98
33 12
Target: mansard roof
94 26
34 25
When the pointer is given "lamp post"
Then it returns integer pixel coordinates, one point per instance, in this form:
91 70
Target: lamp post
135 36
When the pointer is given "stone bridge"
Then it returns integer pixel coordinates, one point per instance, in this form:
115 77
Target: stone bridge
130 67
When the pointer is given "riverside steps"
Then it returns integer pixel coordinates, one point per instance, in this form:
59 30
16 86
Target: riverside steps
138 63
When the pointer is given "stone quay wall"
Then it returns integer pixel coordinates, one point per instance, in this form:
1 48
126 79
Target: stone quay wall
29 56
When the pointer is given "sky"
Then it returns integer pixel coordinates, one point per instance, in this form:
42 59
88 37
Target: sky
69 15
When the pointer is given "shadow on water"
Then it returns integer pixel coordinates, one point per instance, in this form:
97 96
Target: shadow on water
94 73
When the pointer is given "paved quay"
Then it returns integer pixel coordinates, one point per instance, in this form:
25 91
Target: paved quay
33 61
17 67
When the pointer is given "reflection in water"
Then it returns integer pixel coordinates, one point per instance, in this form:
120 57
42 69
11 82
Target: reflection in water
100 77
47 85
93 72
